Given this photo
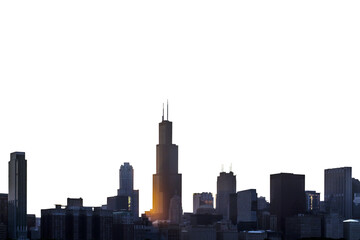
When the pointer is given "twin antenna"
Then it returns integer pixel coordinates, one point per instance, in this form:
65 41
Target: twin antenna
167 111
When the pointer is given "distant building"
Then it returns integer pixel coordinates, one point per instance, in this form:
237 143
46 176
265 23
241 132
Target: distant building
226 185
333 226
247 209
202 200
312 201
175 210
127 198
3 215
351 229
338 191
287 196
202 233
17 198
299 227
263 204
167 180
76 222
356 198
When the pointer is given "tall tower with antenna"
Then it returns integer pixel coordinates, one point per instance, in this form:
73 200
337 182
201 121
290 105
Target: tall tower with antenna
167 180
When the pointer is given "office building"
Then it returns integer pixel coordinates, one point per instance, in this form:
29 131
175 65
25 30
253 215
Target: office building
167 180
203 200
247 210
338 191
226 185
287 197
3 215
127 198
17 198
312 201
76 222
356 198
351 229
303 227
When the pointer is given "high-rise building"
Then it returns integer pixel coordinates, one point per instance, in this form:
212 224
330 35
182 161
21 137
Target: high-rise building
202 200
127 188
17 211
338 191
287 196
247 209
226 185
167 180
312 201
126 178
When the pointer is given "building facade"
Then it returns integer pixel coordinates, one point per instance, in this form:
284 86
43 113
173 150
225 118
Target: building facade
338 191
312 201
167 180
202 200
287 197
226 185
17 197
247 209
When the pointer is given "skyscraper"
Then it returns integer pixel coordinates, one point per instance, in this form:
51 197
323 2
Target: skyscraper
17 225
167 180
226 185
127 198
338 191
247 209
287 196
127 188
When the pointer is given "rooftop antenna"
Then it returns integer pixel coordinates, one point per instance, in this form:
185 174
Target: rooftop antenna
230 167
167 109
222 167
163 113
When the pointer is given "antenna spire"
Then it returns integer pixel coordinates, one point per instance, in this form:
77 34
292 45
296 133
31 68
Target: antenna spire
230 167
163 113
167 109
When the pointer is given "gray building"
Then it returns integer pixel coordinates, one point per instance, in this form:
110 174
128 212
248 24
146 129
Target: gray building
226 185
298 227
333 226
247 209
127 188
312 201
338 191
3 215
17 198
202 200
351 229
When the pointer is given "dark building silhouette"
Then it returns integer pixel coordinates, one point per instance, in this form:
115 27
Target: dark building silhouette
127 198
247 210
17 198
226 185
312 202
76 222
203 200
338 191
3 215
356 198
287 197
167 180
302 227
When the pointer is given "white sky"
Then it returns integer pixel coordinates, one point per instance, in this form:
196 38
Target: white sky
267 86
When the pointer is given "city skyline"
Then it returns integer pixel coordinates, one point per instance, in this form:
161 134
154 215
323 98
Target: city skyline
245 88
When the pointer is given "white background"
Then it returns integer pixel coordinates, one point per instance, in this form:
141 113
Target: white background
267 86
